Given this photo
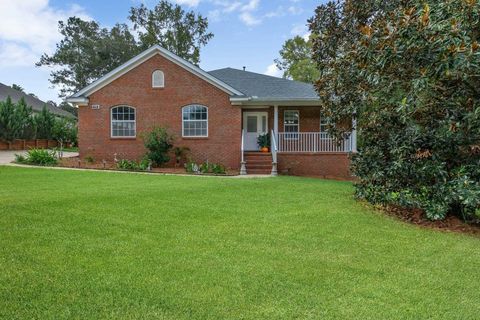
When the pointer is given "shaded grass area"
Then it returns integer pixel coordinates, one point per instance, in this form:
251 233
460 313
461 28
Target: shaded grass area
124 246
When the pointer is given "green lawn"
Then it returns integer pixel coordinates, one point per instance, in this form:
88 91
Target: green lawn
90 245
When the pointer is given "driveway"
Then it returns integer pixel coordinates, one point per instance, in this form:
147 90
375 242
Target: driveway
8 156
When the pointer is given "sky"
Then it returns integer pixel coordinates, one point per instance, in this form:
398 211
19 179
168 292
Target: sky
247 33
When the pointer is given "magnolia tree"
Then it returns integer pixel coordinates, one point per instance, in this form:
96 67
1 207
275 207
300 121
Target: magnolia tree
409 71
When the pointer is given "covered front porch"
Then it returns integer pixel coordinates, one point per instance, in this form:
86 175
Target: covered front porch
299 141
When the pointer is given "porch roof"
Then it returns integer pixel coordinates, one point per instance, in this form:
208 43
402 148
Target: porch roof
262 88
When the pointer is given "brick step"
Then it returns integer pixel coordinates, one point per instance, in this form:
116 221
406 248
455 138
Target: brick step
259 163
259 166
258 154
258 160
258 171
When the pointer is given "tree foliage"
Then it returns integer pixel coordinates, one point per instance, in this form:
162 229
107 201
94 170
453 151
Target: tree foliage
89 51
159 143
296 60
183 33
86 53
408 70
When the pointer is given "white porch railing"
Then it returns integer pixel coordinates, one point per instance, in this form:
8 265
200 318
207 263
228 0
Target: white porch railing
312 142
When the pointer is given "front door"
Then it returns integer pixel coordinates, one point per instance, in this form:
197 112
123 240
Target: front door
254 124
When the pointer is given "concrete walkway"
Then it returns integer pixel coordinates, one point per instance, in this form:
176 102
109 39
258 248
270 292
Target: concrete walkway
7 157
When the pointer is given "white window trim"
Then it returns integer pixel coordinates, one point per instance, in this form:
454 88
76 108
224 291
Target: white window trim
112 121
153 79
183 121
298 125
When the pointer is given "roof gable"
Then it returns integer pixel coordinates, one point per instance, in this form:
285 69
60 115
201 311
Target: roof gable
144 56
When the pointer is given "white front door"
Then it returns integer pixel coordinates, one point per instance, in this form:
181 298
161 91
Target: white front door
254 124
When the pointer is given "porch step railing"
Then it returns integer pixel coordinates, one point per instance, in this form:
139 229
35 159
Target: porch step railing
312 142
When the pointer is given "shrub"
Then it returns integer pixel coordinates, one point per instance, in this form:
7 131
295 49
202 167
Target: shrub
159 143
20 158
192 167
132 165
89 159
39 157
218 169
180 154
409 73
205 167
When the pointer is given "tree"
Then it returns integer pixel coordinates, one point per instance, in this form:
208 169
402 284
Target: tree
10 126
44 121
69 108
64 131
25 120
86 53
183 33
296 60
408 70
18 88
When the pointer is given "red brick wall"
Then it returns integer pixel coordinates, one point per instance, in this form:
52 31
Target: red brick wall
161 107
309 118
325 165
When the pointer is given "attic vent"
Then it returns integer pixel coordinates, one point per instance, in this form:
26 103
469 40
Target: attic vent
158 79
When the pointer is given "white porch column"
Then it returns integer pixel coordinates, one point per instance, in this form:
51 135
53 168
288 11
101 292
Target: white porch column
275 132
275 119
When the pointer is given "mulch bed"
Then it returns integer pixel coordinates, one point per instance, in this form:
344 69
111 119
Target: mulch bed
75 162
451 223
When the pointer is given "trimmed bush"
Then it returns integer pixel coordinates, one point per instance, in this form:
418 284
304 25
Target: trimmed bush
159 142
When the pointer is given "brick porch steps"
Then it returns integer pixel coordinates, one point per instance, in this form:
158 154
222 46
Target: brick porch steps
258 162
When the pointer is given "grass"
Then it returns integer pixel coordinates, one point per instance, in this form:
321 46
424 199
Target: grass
84 245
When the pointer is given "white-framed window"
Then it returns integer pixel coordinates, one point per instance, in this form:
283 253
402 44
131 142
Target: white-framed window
195 121
158 79
123 122
324 124
291 123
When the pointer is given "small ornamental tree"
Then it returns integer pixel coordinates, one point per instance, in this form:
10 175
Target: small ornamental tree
409 71
159 142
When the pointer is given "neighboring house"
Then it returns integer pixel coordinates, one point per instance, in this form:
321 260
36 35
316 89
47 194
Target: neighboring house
36 104
217 114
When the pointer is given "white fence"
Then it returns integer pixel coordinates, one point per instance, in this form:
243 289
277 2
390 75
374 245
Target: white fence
313 142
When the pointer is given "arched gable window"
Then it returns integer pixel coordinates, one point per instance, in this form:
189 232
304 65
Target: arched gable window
123 122
195 121
158 79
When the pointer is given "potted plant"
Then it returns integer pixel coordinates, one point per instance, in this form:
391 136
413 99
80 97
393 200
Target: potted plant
263 141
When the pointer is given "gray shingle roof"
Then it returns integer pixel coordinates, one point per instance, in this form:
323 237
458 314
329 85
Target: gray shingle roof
36 104
265 87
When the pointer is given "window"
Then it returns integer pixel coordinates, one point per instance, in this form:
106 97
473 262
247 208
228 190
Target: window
195 121
291 123
123 122
324 124
158 79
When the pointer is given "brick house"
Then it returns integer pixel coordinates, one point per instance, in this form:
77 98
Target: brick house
217 114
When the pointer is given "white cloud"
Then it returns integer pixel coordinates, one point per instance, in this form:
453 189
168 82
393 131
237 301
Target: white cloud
14 55
251 5
249 19
189 3
301 30
273 71
29 28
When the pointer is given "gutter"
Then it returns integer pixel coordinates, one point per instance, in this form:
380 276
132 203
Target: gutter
78 101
